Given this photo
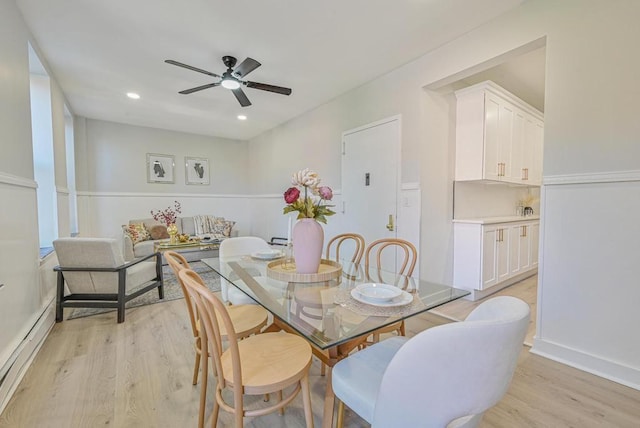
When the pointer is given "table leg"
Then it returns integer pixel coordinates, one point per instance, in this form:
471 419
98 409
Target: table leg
329 400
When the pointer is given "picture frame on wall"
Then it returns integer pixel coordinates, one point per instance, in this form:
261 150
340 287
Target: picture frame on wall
160 168
196 170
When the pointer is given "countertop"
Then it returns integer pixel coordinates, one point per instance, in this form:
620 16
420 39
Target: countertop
493 220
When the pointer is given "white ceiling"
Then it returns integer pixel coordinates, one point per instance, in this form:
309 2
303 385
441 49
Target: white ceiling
100 50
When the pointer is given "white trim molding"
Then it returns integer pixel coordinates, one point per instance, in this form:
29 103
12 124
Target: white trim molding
625 375
158 195
62 190
15 180
184 195
593 177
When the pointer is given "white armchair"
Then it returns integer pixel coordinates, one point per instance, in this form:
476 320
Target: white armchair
98 277
446 376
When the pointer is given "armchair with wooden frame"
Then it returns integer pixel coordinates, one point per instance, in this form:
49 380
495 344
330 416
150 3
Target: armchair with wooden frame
97 276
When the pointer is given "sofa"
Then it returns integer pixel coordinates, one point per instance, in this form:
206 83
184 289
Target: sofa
140 235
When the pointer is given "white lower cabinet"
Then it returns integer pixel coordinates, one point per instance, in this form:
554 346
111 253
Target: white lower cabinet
490 255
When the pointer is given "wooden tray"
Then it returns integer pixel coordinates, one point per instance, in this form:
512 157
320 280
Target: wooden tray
327 271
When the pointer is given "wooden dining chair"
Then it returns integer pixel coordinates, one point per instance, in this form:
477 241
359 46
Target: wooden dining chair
261 364
356 247
406 255
247 320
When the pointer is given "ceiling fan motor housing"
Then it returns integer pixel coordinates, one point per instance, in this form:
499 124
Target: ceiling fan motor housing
229 61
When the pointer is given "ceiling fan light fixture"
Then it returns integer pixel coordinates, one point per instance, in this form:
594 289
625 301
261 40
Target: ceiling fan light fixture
230 83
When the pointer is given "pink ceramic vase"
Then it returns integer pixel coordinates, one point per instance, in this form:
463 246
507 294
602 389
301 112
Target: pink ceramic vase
308 239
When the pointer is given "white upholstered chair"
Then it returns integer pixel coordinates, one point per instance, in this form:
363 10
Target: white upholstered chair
98 277
232 247
446 376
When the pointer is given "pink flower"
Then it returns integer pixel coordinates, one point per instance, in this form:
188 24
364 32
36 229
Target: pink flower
291 195
325 193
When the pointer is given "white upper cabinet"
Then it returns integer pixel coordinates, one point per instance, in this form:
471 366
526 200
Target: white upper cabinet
498 136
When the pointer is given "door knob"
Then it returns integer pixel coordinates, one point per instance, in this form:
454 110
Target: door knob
390 224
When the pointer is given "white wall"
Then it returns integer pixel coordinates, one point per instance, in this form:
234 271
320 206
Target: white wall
590 127
111 165
23 295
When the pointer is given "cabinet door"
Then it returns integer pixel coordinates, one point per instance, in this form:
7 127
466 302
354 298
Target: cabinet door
502 254
492 161
498 156
524 243
533 142
534 243
515 249
518 151
489 245
505 153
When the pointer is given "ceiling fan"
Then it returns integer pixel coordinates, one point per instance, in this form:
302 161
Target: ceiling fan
230 79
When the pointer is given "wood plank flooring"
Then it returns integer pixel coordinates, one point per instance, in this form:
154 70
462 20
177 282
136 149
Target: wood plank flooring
93 372
527 290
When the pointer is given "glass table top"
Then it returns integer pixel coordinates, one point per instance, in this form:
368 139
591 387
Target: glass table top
331 312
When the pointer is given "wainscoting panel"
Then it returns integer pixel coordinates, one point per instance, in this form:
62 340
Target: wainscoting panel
589 293
22 298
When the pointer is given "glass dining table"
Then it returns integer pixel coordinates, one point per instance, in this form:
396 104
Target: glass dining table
337 313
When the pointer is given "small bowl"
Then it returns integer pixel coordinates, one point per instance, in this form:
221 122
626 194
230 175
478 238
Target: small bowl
377 292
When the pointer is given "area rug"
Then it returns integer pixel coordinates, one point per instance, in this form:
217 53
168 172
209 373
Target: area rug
172 291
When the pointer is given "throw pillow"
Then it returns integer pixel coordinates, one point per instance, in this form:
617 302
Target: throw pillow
222 228
159 232
137 232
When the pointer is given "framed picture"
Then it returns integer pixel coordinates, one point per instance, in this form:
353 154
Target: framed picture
159 168
196 170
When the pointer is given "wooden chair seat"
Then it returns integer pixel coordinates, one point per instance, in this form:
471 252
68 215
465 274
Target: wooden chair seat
246 319
270 361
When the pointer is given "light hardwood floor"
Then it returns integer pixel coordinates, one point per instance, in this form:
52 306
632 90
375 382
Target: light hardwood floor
93 372
527 290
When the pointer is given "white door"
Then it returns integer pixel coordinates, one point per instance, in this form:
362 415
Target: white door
370 182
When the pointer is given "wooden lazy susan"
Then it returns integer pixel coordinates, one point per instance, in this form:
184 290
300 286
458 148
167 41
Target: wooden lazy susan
327 271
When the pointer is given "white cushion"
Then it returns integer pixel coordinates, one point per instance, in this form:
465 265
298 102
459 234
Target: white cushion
356 380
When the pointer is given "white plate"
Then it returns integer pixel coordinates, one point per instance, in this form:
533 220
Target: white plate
378 292
267 254
403 299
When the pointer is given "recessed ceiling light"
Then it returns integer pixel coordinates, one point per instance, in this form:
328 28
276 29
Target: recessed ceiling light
133 95
242 117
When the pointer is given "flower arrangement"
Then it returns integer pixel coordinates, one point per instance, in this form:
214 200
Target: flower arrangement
308 206
168 215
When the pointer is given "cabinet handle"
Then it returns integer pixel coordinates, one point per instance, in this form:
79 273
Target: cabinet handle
525 230
524 174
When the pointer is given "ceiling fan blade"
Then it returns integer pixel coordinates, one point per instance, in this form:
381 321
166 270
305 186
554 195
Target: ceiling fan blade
246 67
199 88
270 88
241 97
189 67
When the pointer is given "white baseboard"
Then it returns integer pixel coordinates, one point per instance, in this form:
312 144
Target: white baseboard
481 294
19 362
616 372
